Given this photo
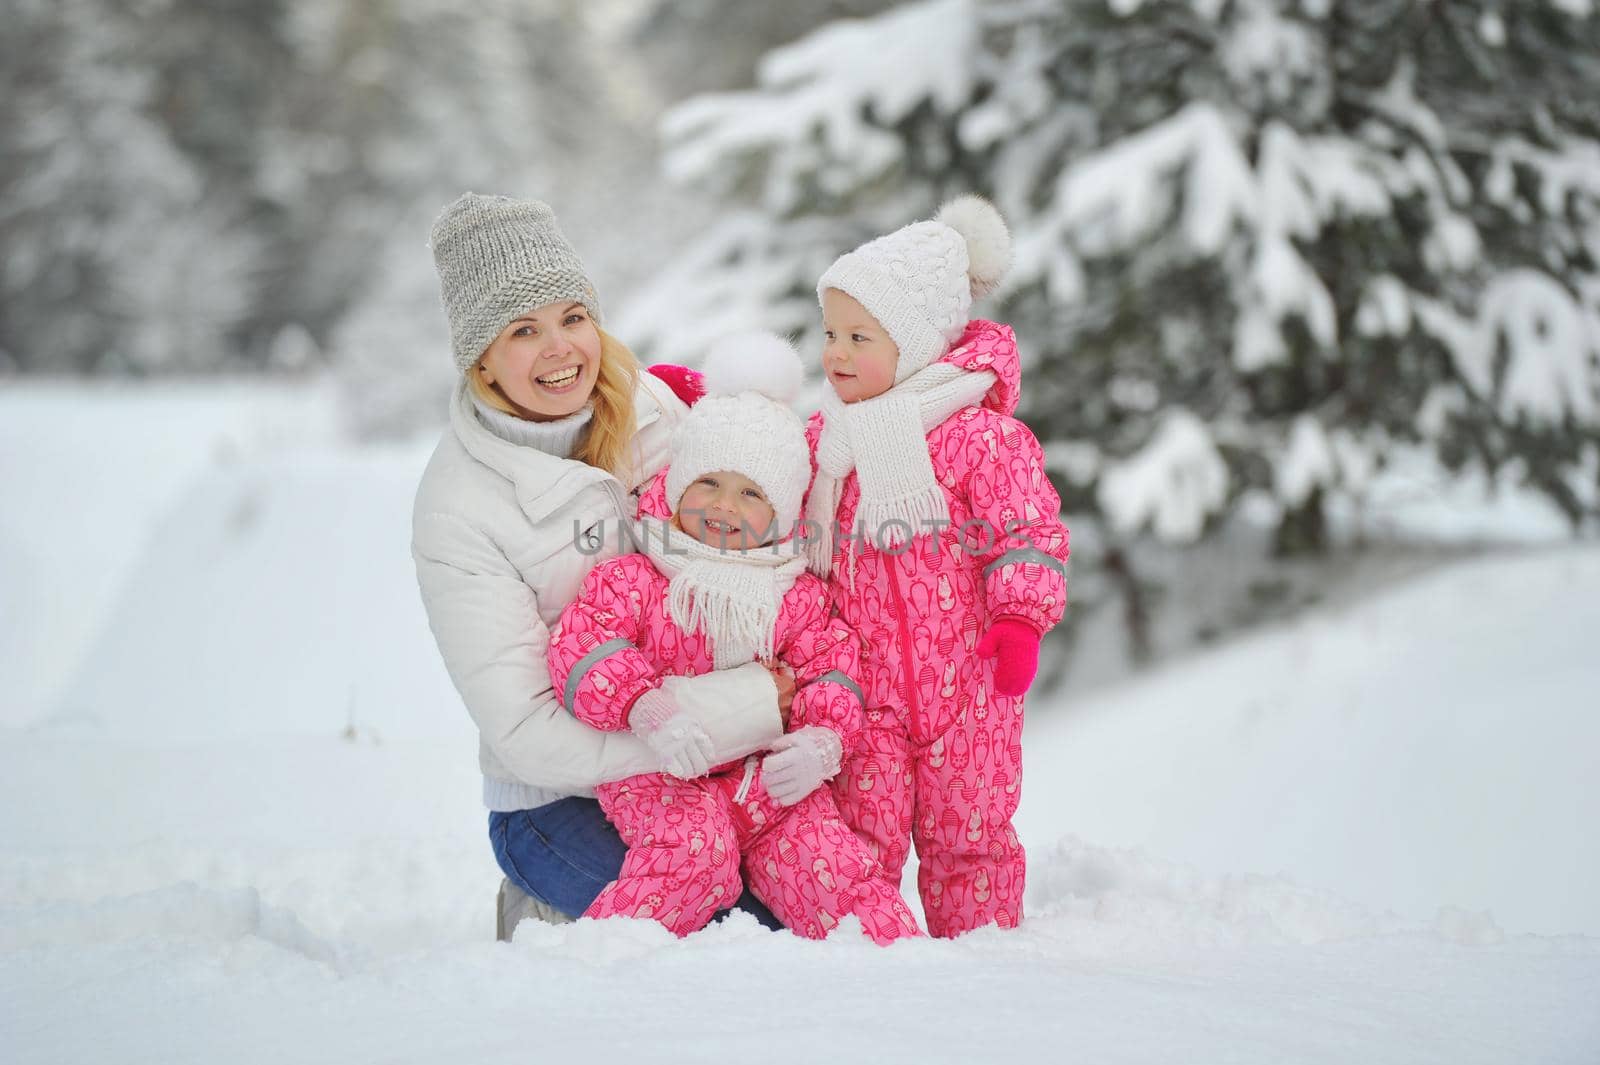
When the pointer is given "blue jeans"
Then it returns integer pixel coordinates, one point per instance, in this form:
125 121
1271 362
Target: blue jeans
563 853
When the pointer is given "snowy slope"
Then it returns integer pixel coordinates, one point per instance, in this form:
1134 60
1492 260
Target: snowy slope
1436 744
277 596
85 471
248 829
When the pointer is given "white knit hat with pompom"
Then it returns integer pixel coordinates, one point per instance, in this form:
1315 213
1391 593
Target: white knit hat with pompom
744 424
919 281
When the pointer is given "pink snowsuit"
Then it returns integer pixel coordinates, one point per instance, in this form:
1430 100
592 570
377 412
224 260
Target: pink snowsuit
941 752
686 837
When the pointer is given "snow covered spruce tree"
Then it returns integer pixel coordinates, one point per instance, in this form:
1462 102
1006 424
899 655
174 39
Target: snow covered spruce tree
1264 247
129 238
188 185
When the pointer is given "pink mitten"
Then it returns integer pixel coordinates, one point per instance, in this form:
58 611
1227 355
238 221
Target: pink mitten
1014 645
688 385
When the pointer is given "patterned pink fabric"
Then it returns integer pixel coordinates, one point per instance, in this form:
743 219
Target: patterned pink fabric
686 838
940 760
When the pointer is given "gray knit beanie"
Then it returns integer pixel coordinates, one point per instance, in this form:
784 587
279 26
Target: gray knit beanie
499 258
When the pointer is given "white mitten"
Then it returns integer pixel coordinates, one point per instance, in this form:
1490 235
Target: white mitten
799 762
678 740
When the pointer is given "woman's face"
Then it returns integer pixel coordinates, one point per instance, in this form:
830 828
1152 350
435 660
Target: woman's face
726 510
857 354
546 362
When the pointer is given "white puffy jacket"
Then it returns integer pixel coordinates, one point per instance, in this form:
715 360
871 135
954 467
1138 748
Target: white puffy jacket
502 536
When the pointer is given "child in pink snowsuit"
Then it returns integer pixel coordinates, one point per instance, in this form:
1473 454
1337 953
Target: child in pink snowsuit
714 590
933 517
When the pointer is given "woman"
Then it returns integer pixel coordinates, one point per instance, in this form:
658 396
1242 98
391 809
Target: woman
552 426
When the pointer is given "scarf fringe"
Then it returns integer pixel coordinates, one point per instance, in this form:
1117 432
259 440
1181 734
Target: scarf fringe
735 619
893 522
820 516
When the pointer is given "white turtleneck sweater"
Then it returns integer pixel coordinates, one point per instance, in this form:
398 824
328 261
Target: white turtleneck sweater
559 437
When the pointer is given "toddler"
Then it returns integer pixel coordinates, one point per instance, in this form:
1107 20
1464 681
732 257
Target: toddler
714 588
932 516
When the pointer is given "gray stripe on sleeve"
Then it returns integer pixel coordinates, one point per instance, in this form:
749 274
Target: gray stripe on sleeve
839 676
588 662
1024 556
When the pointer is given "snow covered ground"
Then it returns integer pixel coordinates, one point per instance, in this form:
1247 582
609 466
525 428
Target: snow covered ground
241 823
1438 743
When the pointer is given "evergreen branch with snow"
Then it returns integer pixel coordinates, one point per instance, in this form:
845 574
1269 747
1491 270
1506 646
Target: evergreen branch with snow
1295 236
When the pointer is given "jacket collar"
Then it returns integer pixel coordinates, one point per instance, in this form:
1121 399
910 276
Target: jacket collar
543 483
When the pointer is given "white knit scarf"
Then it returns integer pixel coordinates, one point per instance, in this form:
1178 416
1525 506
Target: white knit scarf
731 596
884 439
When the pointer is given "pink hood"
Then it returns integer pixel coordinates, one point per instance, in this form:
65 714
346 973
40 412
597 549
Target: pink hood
986 345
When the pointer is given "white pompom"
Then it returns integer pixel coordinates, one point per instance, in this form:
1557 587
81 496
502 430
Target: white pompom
988 241
754 362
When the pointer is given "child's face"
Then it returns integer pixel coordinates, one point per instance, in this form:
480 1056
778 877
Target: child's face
726 510
857 354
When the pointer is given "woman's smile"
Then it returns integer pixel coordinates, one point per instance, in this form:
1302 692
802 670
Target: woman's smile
559 380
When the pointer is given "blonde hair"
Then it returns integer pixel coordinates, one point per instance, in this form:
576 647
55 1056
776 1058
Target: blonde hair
608 442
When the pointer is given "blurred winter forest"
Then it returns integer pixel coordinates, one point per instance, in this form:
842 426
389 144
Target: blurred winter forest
204 186
1303 286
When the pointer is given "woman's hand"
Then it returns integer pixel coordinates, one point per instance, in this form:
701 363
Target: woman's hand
784 679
